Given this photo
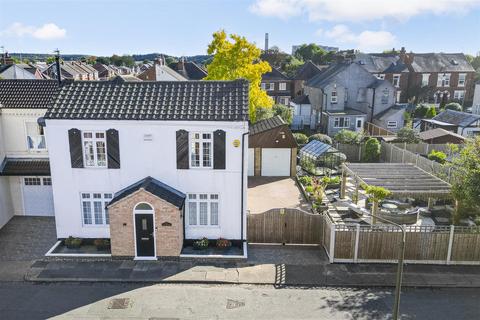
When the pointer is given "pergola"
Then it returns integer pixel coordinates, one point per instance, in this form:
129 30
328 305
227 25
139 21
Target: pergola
402 179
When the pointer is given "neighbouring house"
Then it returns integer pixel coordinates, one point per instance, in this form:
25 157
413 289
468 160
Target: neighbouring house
272 149
391 119
150 165
25 182
476 99
303 117
278 86
306 72
159 71
105 72
441 136
346 96
72 70
387 66
190 70
462 123
443 77
14 71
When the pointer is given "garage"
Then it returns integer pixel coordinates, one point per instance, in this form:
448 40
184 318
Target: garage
37 196
35 181
272 149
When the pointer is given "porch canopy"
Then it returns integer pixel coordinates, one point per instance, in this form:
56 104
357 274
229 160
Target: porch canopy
402 179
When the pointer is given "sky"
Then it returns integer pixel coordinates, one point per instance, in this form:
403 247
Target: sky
184 27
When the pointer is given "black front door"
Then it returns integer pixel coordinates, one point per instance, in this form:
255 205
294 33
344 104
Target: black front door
144 234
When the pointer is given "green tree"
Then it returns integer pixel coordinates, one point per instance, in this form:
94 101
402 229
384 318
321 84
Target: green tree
320 137
300 138
453 106
407 135
407 118
372 150
348 137
437 156
466 179
285 112
262 113
421 110
292 65
375 195
432 112
103 60
239 59
314 53
50 59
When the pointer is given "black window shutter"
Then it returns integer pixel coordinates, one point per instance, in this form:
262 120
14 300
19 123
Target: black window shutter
182 149
76 153
219 149
113 149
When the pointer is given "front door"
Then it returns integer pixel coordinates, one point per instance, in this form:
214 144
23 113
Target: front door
359 124
144 235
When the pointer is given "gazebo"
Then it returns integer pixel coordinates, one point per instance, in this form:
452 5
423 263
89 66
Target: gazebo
402 179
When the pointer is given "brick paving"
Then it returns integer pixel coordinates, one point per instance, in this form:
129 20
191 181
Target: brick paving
27 238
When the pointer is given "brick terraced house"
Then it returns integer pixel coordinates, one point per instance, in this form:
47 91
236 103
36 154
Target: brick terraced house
150 165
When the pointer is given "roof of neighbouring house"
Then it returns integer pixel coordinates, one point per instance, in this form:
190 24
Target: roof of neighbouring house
159 70
457 118
381 62
308 70
14 71
191 70
389 111
346 111
155 187
274 75
302 99
25 167
27 94
266 124
325 78
153 100
437 133
441 62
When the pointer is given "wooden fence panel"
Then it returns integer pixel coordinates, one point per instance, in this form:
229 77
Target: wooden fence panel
466 246
344 244
378 245
426 245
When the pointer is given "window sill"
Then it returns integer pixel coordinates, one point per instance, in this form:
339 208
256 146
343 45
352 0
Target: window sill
203 227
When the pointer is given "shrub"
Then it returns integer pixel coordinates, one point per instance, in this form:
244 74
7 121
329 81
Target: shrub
101 244
421 110
263 113
283 111
73 243
308 165
300 138
407 135
348 137
309 189
320 137
431 112
331 180
201 244
305 180
453 106
437 156
223 243
372 150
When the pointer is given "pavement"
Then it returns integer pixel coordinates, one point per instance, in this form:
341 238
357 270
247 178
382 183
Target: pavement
265 193
307 267
20 300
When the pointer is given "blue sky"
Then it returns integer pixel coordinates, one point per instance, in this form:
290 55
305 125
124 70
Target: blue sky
184 27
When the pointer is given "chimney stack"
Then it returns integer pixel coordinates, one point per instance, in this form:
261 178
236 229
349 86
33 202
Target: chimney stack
266 42
57 63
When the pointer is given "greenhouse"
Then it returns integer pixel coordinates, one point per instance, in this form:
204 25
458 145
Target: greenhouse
319 158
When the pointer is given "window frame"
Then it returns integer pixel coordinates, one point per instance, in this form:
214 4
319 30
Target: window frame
385 96
459 91
442 81
334 98
389 126
201 140
427 76
397 84
462 84
282 86
94 141
104 200
346 120
42 136
197 200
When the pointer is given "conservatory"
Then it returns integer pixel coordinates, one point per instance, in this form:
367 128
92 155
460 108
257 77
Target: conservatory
319 158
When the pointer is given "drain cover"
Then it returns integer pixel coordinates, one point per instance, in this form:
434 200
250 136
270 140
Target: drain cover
119 303
234 304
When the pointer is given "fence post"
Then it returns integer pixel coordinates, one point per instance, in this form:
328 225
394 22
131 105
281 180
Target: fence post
391 153
416 159
357 239
403 156
332 243
450 244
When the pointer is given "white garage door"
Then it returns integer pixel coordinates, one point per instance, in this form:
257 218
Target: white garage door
251 162
38 196
276 162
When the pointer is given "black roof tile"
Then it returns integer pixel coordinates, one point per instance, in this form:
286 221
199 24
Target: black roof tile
27 94
154 187
150 100
267 124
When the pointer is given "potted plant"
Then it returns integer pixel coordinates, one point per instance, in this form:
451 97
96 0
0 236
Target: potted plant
223 243
201 244
101 244
73 243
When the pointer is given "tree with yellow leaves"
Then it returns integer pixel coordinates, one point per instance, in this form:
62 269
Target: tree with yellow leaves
239 59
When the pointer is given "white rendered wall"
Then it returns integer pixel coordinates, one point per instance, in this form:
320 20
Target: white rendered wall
140 159
6 210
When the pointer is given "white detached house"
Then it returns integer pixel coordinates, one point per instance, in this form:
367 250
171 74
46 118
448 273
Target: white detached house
150 165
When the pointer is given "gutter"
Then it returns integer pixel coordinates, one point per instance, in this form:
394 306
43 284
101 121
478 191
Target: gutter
242 184
373 105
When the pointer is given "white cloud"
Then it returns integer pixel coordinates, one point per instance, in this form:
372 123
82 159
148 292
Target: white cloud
356 10
366 40
48 31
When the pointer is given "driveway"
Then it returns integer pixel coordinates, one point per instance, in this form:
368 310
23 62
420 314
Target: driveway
265 193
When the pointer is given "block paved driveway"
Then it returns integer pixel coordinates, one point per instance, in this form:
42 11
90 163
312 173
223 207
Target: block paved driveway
27 238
